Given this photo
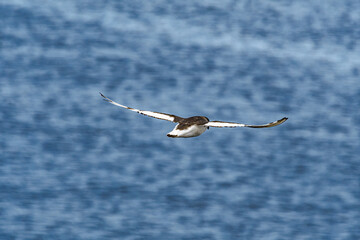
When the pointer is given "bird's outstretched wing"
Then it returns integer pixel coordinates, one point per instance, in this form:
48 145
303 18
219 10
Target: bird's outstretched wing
158 115
230 124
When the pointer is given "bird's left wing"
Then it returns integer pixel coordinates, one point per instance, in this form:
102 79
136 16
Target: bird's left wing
158 115
231 124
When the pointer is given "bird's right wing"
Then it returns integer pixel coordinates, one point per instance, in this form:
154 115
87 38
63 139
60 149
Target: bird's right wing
231 124
158 115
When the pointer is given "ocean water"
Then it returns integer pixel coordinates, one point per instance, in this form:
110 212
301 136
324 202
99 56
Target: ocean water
75 167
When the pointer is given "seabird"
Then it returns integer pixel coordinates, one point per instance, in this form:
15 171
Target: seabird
192 126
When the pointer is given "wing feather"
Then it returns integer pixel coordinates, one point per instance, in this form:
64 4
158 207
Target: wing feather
158 115
231 124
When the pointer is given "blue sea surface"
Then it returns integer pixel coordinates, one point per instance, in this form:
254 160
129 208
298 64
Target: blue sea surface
73 166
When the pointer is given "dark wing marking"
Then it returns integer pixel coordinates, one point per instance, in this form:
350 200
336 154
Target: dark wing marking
158 115
230 124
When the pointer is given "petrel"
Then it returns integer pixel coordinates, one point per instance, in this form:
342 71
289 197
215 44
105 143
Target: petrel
192 126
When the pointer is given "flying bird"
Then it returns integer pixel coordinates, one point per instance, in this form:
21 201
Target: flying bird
192 126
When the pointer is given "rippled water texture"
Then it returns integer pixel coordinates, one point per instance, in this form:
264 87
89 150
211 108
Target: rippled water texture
75 167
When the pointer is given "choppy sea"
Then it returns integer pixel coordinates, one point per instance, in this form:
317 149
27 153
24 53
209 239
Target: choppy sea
75 167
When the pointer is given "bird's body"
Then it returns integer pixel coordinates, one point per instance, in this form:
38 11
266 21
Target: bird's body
192 126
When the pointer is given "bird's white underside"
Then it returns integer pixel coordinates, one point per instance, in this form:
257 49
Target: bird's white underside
192 131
